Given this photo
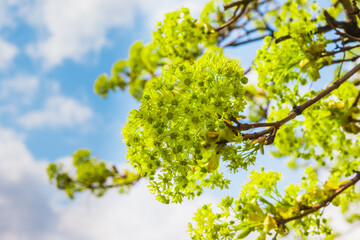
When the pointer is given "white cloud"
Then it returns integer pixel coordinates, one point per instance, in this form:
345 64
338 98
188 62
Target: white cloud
252 77
72 29
75 28
8 109
59 111
159 8
21 87
339 225
6 13
15 158
32 209
23 206
133 216
8 53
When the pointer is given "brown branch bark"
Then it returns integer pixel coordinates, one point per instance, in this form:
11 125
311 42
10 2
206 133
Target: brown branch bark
247 41
351 30
322 29
108 186
353 59
356 100
244 4
348 10
297 110
234 4
324 203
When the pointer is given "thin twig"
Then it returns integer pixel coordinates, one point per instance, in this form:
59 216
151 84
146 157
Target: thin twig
330 21
353 59
297 110
245 3
356 100
324 203
234 4
322 29
247 41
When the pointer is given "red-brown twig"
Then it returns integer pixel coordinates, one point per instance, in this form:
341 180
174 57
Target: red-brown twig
297 110
324 203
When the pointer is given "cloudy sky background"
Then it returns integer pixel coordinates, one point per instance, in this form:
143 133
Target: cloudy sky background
51 52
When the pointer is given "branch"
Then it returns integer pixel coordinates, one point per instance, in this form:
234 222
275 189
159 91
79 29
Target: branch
256 135
245 3
354 120
108 186
322 29
356 100
321 95
234 4
350 28
240 2
353 59
356 10
297 110
247 41
348 10
341 50
324 203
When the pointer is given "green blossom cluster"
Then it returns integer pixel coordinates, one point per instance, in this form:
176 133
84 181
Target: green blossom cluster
181 128
178 38
213 14
306 139
88 171
134 72
260 207
295 54
188 128
90 174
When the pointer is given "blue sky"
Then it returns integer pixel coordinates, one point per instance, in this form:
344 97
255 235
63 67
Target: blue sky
51 52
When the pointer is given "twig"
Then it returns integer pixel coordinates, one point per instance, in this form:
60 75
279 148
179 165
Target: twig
353 59
356 100
356 10
234 4
239 2
322 29
297 110
348 10
346 26
247 41
256 135
324 203
342 49
245 3
354 120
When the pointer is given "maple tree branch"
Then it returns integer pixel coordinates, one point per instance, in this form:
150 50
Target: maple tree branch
297 110
356 100
351 30
330 88
246 41
354 120
324 203
241 2
341 50
353 59
256 135
107 186
244 3
348 10
322 29
234 4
